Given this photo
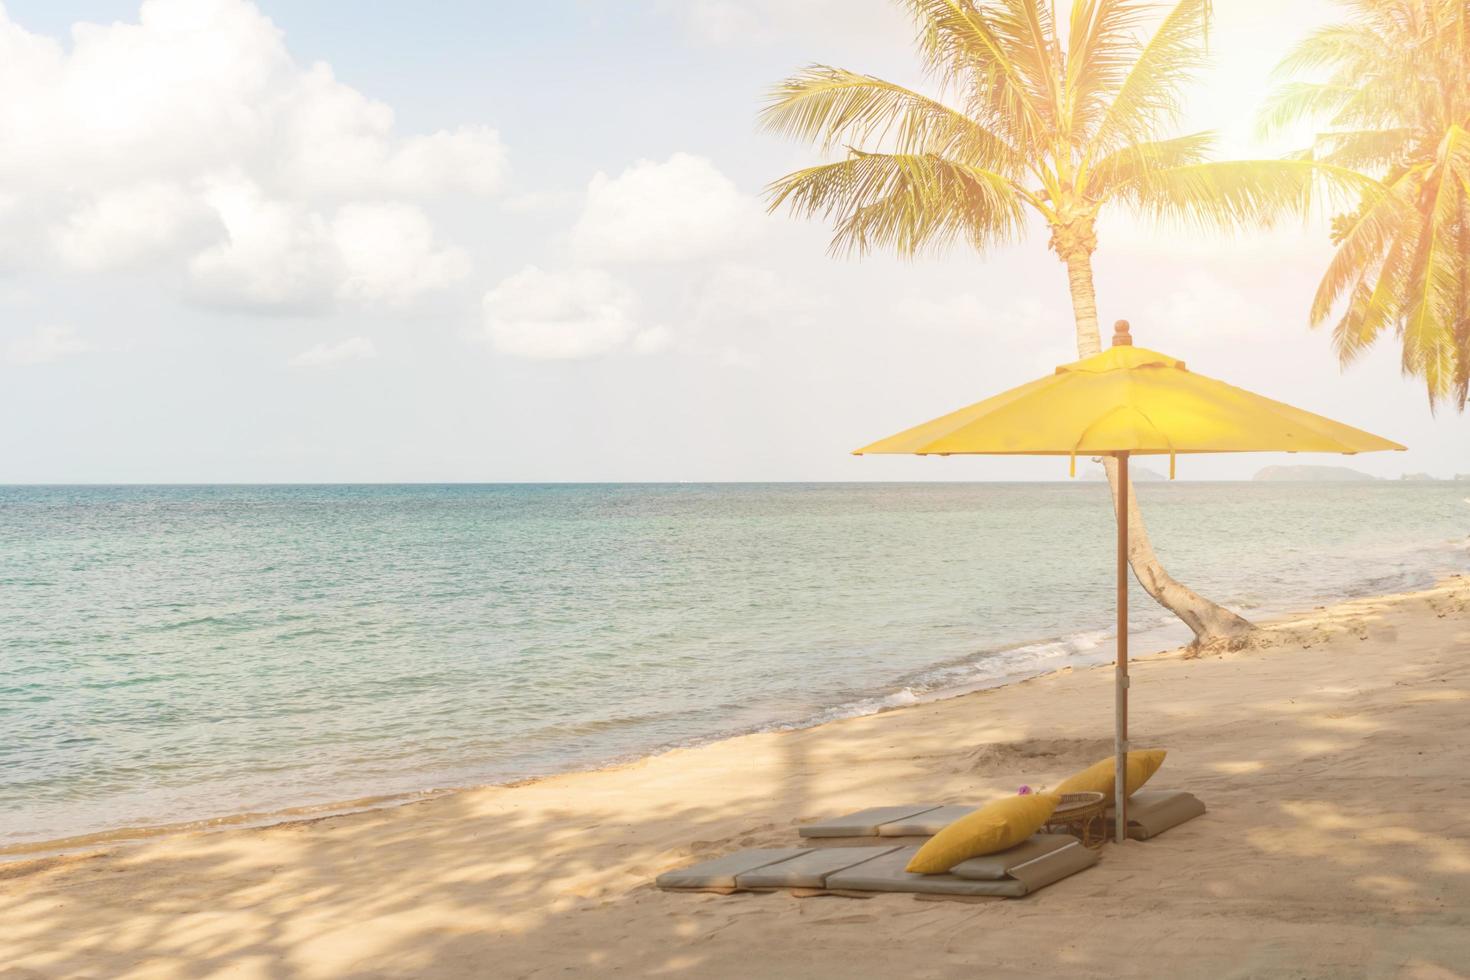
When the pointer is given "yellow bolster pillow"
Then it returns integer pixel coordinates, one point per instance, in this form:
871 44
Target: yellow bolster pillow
996 826
1098 778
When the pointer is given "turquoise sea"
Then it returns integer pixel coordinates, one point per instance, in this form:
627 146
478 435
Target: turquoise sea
177 653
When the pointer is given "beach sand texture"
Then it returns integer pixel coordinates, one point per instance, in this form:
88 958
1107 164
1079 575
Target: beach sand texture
1333 760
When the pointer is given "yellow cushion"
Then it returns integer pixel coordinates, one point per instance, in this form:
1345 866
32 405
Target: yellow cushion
994 827
1098 778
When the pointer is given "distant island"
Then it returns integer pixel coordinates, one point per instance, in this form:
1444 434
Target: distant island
1308 473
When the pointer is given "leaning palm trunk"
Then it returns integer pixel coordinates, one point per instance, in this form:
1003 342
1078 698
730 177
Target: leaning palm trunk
1213 624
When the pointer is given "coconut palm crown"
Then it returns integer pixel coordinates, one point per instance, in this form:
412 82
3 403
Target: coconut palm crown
1023 121
1390 89
1030 116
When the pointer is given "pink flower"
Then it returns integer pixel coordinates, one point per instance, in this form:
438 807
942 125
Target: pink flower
1024 791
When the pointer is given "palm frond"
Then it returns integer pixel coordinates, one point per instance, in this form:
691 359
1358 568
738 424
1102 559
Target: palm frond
1149 97
961 49
1352 333
1364 238
1027 33
912 203
1460 327
1239 194
1387 299
1137 160
1345 46
1294 102
1102 45
1373 150
1392 94
1428 348
835 107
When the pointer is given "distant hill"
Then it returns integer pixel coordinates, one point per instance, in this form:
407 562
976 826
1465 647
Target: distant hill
1308 473
1139 474
1417 476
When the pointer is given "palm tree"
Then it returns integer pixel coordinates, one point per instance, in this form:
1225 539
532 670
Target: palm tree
1026 122
1391 85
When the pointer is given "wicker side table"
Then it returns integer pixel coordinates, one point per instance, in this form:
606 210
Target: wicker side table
1081 814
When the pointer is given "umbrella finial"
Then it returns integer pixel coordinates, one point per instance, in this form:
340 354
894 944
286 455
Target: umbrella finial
1121 337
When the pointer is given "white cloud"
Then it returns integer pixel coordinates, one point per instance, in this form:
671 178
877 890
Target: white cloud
334 141
193 138
326 355
47 344
683 208
390 254
134 224
469 160
551 315
196 86
276 256
280 256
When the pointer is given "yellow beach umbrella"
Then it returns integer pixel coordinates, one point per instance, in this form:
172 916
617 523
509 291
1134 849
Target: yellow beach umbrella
1127 401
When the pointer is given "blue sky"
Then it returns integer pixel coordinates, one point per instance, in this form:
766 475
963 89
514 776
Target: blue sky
333 241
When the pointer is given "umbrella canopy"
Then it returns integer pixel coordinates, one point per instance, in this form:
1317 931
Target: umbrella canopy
1123 402
1128 399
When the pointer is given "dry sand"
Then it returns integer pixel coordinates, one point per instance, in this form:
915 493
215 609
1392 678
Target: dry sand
1334 761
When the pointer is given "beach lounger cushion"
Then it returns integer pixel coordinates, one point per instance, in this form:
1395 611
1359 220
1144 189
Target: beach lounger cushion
997 826
997 867
887 873
811 868
1100 776
1151 812
925 824
1035 863
721 872
865 823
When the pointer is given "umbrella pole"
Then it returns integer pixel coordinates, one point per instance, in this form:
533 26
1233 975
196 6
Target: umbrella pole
1120 680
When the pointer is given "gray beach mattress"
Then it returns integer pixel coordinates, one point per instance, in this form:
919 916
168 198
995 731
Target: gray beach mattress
1153 811
721 872
1150 812
1033 864
1001 874
913 820
811 868
865 823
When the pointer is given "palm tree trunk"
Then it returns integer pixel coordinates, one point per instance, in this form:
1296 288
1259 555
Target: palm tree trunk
1213 624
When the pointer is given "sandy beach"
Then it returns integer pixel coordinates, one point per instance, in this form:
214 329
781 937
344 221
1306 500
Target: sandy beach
1337 843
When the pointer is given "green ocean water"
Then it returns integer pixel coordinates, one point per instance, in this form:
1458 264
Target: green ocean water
180 653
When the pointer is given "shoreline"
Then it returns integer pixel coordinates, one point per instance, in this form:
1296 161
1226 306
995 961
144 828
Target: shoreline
1337 842
113 839
415 702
